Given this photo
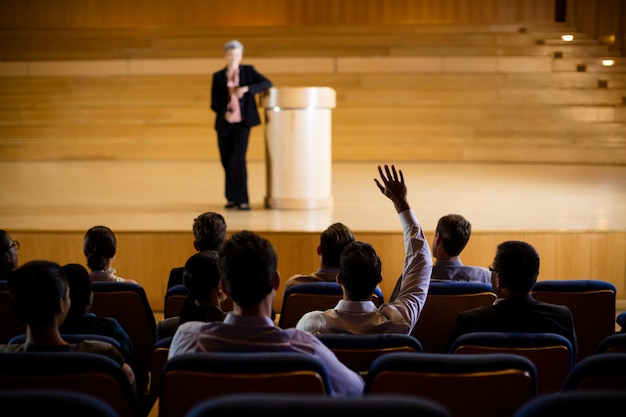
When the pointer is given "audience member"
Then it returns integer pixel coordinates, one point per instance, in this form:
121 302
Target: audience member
9 254
332 241
451 236
99 247
360 273
514 273
209 233
248 267
203 302
80 320
40 298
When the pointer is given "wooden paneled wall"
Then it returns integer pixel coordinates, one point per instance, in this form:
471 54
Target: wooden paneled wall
34 14
148 257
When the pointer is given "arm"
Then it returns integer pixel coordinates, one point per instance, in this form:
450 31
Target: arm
415 279
256 83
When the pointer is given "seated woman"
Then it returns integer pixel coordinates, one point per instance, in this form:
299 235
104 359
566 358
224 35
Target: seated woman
203 302
99 247
40 297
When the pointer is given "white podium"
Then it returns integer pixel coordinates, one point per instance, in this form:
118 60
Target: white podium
298 147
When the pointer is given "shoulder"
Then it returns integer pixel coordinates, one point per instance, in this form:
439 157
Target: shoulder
101 348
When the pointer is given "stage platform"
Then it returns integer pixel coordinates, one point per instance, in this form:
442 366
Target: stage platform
575 215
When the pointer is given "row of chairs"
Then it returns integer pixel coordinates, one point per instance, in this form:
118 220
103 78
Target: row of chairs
496 384
74 404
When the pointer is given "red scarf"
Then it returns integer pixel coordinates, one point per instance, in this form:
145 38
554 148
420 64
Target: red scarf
233 104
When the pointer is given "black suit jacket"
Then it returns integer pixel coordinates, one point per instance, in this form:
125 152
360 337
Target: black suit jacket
520 314
249 76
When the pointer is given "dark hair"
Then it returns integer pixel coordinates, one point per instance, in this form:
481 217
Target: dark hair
36 288
455 231
201 274
360 270
247 265
518 265
99 244
80 288
209 231
332 242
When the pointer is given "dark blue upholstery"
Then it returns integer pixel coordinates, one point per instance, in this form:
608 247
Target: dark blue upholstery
43 402
598 372
469 385
615 343
458 287
74 338
159 357
75 371
190 378
283 405
358 351
592 303
445 300
596 403
174 299
551 353
128 304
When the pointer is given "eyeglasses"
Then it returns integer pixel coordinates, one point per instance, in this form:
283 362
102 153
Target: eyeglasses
492 269
15 245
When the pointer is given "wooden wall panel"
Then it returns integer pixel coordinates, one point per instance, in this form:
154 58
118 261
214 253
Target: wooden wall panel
197 13
149 256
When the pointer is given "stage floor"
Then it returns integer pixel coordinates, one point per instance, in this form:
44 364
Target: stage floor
167 195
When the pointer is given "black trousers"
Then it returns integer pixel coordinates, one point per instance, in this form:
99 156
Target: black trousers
232 140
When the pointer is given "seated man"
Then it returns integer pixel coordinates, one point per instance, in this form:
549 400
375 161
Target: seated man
248 268
332 241
514 272
80 320
41 299
451 236
360 273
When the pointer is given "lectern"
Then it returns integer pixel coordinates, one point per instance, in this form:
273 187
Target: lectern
298 147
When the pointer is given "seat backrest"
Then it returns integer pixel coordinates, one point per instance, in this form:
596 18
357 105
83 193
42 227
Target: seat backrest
302 298
467 385
42 402
281 405
75 338
358 351
191 378
551 353
128 304
615 343
174 299
592 303
445 300
597 403
9 325
159 356
598 372
87 373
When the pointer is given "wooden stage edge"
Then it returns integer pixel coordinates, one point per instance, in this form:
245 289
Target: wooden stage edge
575 215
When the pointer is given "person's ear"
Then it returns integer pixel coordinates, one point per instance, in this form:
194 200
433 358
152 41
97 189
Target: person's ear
319 250
196 246
276 284
221 287
338 279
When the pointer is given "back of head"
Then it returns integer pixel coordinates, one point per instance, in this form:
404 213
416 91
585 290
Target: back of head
360 270
209 231
332 242
201 274
247 265
36 288
518 265
80 288
99 245
455 231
